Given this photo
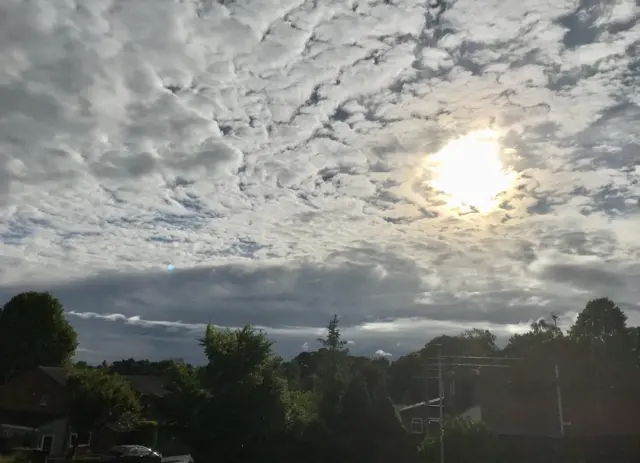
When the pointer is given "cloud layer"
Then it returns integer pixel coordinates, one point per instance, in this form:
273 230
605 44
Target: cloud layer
273 153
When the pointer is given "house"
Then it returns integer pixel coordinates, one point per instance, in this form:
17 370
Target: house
559 401
419 419
33 409
590 396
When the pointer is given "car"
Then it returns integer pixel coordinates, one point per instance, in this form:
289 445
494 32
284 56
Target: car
131 454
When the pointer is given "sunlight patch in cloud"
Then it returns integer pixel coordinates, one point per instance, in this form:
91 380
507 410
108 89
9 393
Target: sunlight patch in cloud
470 172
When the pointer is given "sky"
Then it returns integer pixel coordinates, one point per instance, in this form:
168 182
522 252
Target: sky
416 167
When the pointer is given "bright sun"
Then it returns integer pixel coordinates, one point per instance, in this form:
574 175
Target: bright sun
469 172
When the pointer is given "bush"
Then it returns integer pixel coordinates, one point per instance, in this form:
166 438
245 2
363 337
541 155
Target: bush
147 433
465 441
23 456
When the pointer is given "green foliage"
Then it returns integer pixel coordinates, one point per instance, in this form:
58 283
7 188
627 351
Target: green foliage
300 407
404 381
16 457
540 331
405 387
145 367
97 397
236 407
33 332
333 367
465 441
602 327
482 340
247 404
147 433
333 340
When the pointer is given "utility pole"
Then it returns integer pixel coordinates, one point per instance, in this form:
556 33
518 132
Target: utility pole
467 361
440 403
557 375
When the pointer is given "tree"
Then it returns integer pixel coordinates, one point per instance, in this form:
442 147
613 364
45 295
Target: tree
465 441
145 367
404 384
34 332
333 372
368 428
634 341
540 331
602 326
333 340
236 407
600 321
97 398
484 340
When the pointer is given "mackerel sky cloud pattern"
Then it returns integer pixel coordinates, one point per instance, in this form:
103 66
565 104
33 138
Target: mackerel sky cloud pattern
165 163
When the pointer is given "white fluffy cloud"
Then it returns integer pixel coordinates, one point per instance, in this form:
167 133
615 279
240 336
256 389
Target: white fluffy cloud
272 153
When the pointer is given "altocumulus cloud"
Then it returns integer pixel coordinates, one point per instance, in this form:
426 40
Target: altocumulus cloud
271 152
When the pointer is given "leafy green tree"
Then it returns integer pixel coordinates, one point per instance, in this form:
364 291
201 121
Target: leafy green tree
634 341
484 340
540 331
465 441
407 381
601 325
34 332
97 398
368 428
475 342
144 367
302 371
333 340
236 407
333 372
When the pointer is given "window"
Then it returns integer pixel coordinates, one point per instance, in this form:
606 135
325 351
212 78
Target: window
80 439
417 426
44 400
46 443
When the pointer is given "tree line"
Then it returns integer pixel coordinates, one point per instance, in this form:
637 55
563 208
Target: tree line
248 404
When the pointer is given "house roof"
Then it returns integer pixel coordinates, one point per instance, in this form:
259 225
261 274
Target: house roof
148 385
59 374
402 408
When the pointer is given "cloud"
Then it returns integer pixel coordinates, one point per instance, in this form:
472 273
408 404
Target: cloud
275 155
381 353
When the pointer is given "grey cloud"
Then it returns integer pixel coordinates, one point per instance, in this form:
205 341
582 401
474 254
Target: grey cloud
366 287
583 276
278 162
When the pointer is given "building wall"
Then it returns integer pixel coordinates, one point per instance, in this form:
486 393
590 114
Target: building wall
473 413
598 398
58 429
424 412
26 392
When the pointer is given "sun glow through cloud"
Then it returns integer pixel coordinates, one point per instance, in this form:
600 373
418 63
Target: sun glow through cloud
470 173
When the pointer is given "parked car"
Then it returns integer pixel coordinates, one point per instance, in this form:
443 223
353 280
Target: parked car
131 454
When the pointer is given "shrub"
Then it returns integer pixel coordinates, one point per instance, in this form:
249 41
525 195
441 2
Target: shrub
147 433
465 441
